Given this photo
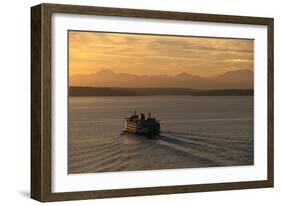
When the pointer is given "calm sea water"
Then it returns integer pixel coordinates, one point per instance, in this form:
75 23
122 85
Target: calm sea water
195 132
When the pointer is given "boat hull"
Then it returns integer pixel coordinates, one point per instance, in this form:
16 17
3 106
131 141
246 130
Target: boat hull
135 128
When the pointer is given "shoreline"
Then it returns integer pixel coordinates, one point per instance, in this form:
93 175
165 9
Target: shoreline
115 91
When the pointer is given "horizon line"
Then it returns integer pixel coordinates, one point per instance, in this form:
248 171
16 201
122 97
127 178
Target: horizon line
158 88
195 75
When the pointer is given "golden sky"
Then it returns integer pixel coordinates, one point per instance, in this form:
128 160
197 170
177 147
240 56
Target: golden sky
90 52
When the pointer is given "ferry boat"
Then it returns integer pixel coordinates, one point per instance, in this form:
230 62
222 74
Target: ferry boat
139 124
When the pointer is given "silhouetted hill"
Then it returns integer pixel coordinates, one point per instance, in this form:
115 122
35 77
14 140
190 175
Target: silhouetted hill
228 92
241 79
109 91
102 91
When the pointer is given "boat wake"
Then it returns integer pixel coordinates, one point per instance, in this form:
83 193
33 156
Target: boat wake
214 150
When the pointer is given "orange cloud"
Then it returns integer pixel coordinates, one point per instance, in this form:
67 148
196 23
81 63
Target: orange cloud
140 54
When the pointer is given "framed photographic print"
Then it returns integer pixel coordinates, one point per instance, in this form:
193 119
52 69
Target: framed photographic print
132 102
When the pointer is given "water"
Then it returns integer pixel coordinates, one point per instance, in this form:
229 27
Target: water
195 132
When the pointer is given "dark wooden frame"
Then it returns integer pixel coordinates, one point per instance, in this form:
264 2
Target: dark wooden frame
41 101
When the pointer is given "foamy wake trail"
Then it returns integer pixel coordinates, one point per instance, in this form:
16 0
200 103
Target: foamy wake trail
200 147
198 135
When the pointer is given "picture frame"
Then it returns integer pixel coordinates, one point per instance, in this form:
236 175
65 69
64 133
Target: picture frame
41 101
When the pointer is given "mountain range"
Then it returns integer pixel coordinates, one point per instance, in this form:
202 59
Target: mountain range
239 79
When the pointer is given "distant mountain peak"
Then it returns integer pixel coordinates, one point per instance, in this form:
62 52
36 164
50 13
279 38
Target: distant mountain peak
239 79
242 72
184 75
105 72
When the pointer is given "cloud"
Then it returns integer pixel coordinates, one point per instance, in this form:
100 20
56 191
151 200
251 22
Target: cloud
156 54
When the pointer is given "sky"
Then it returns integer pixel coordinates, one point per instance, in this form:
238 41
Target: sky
90 52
